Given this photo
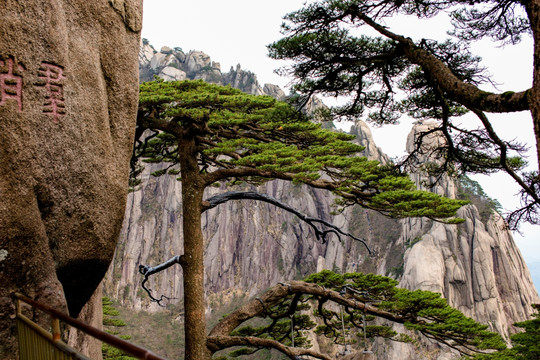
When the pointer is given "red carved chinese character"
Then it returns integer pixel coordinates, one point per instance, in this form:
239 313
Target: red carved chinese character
11 81
51 77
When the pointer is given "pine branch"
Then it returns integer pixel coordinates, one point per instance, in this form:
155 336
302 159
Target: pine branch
216 343
439 326
311 221
257 306
151 270
466 93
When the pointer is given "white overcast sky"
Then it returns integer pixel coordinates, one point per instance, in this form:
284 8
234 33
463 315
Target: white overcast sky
237 31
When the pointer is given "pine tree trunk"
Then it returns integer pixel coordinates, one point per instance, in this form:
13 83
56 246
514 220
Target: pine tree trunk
193 264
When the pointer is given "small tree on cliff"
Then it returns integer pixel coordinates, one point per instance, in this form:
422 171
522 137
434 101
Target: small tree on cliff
352 309
207 133
438 80
346 307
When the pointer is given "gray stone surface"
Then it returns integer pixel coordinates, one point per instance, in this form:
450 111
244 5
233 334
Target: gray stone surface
170 73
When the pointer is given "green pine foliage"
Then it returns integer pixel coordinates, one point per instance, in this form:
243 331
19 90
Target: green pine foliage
256 139
421 312
112 322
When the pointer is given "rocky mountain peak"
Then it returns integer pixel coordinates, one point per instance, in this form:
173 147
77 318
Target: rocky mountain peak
365 138
173 64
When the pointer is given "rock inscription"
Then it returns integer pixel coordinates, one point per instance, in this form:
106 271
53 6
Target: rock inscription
51 77
11 81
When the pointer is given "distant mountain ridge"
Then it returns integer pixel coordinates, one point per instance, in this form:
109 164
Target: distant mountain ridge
475 265
174 64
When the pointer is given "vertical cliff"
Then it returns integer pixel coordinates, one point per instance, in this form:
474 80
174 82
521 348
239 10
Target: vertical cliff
475 265
252 245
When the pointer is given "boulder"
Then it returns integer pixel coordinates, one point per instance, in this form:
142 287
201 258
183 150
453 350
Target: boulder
166 50
274 91
146 53
170 73
158 60
68 102
197 60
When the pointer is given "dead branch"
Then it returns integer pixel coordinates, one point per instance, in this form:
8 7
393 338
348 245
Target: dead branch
311 221
150 270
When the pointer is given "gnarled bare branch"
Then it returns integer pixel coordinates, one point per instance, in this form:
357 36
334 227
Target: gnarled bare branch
150 270
311 221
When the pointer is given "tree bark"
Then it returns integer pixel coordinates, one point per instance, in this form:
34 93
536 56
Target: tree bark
193 264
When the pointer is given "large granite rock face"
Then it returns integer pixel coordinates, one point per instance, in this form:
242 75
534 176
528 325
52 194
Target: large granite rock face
251 246
263 245
68 101
476 265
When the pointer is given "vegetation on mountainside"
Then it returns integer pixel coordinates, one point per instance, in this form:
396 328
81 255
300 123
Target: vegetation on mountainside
162 332
471 190
112 322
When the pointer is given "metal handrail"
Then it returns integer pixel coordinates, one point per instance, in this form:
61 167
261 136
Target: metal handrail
127 347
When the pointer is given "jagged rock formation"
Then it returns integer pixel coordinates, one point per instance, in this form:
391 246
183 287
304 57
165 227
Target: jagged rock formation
251 245
475 265
68 102
174 64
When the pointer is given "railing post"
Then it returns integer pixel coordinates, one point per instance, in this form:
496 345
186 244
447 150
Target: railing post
17 306
55 324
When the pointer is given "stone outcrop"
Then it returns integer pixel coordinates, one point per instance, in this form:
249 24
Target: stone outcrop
68 101
173 64
476 266
252 245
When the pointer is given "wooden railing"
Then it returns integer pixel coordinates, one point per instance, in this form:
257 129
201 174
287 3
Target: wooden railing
36 343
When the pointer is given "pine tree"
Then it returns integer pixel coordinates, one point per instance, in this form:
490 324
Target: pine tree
204 133
347 306
388 75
